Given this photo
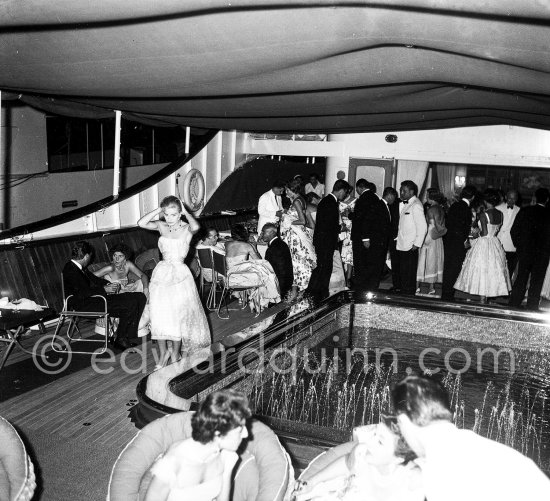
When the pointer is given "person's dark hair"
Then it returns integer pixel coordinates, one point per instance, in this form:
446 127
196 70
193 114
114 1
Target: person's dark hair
239 233
542 195
311 196
278 184
80 249
315 175
491 196
372 187
388 190
435 195
340 185
122 248
476 202
269 226
294 185
171 200
468 192
362 183
220 412
411 186
422 400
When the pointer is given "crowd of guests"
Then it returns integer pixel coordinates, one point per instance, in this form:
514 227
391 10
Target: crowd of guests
482 244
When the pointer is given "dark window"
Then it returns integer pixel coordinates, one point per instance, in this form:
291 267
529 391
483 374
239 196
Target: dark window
81 144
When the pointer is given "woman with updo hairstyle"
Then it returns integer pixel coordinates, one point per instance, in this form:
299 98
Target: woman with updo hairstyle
246 268
200 468
484 272
431 254
299 238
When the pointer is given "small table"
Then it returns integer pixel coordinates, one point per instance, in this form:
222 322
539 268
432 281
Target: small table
14 323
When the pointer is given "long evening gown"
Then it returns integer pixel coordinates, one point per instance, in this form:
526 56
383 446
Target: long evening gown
299 239
347 250
431 254
258 273
174 303
485 272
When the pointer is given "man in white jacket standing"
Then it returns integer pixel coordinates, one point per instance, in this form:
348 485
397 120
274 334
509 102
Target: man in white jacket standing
270 205
509 211
410 236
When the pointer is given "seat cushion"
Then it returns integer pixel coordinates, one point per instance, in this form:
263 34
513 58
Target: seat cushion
17 479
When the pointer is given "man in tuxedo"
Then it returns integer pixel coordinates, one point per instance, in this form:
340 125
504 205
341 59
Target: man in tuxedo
392 200
458 223
370 232
278 255
531 237
509 211
82 284
270 205
325 238
410 235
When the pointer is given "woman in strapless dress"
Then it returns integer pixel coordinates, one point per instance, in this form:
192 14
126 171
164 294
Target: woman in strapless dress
178 321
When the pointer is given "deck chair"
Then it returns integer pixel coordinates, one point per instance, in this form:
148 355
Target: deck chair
60 345
204 255
220 269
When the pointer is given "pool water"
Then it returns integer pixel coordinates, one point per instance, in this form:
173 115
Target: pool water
344 380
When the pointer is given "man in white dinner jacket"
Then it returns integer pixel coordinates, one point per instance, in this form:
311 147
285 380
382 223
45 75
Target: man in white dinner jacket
410 236
509 210
270 205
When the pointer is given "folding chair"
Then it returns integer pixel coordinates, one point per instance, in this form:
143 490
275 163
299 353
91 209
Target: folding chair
204 254
220 269
74 316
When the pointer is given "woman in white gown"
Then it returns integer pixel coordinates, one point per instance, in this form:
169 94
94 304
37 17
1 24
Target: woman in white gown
246 268
484 272
431 254
178 321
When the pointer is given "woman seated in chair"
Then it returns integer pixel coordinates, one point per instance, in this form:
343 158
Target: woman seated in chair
246 268
200 468
379 467
117 272
120 267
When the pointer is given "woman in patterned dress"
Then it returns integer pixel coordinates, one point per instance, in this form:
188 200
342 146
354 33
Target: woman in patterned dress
298 237
345 207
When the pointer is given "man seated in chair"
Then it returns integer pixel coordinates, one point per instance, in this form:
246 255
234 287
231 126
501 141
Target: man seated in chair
82 284
278 254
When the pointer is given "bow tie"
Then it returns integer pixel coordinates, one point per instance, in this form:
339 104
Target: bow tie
510 207
405 201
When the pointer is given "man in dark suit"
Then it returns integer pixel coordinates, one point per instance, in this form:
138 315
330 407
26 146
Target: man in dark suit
82 284
458 223
390 196
531 236
370 232
325 238
278 255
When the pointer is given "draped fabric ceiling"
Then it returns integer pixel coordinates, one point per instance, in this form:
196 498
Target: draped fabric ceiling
294 65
